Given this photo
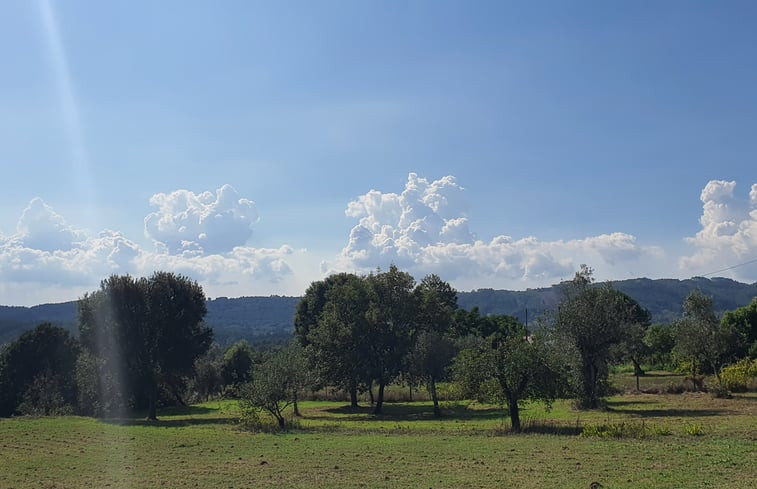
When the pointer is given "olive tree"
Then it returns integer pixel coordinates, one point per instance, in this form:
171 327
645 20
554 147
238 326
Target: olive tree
590 320
509 370
699 338
276 383
144 333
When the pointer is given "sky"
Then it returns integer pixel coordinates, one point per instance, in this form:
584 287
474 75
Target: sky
258 146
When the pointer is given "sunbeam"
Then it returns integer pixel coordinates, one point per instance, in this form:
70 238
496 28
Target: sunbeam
69 109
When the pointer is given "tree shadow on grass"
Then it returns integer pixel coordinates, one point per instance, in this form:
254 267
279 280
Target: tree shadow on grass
628 403
406 412
173 417
550 429
669 413
170 423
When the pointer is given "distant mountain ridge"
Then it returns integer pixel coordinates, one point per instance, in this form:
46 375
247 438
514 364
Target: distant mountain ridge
662 297
263 319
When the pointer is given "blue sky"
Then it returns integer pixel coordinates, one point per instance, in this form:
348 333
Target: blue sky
506 142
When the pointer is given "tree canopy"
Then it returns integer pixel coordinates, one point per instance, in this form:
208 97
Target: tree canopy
145 333
591 319
37 370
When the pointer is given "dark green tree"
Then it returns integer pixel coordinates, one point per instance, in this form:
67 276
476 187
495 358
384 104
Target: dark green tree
276 384
299 376
207 380
508 370
37 370
660 341
590 320
331 323
236 366
433 346
631 346
698 335
146 333
429 358
392 324
740 328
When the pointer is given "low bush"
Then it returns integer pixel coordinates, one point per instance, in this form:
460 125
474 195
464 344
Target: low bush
693 429
740 376
256 421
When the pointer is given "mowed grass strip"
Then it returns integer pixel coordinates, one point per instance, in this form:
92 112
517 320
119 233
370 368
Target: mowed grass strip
341 447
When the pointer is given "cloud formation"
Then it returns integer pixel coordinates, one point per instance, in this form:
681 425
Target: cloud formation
728 235
202 236
425 229
205 222
40 227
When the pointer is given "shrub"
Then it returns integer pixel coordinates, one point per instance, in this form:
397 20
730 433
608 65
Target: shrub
254 420
739 376
693 429
45 398
689 384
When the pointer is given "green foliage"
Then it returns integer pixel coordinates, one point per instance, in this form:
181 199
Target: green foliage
37 372
473 323
693 429
700 340
207 380
100 392
590 321
145 334
738 377
331 322
433 347
740 329
508 370
660 340
274 386
237 363
45 397
624 429
392 322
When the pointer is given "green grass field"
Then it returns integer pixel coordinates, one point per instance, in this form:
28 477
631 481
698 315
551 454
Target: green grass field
689 441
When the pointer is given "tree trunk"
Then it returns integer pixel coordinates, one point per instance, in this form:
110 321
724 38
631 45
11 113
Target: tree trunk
637 370
282 423
294 402
590 386
432 388
512 407
380 401
370 392
353 395
152 401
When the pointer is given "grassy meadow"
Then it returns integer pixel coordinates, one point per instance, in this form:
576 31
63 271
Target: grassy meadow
640 441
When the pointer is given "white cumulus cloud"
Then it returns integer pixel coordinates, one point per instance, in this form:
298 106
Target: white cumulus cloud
728 235
212 223
40 227
425 229
202 236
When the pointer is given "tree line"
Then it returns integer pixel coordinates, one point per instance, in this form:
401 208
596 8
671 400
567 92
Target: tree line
142 343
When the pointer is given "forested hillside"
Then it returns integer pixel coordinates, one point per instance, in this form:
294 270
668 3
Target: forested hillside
662 297
265 319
